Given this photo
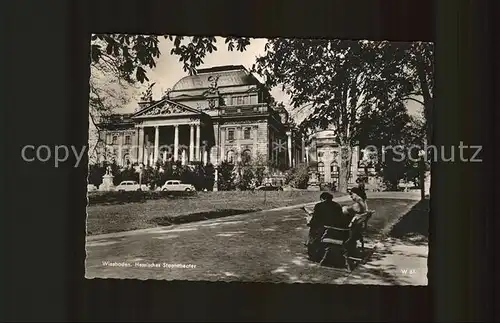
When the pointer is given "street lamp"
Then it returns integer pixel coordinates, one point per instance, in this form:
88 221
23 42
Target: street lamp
212 104
139 170
421 154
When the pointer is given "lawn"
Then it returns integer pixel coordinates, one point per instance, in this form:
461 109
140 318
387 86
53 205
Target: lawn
152 213
260 247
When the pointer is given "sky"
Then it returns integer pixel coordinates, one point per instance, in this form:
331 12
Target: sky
169 70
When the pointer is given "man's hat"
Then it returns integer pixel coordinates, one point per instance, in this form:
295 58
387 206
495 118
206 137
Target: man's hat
326 196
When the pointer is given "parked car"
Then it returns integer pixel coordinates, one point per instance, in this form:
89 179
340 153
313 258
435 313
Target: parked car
127 186
269 187
175 186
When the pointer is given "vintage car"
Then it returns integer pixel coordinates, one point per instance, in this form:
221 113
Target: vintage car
127 186
176 186
269 187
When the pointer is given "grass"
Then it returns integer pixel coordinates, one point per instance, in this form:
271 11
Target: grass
251 247
104 218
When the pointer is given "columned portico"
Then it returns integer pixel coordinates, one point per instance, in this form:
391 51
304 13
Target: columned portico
176 135
191 141
149 157
198 142
176 142
157 144
289 146
140 155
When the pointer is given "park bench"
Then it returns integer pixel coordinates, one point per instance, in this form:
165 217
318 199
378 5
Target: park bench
343 241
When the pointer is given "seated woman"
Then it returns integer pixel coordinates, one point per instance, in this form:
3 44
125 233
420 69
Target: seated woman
359 206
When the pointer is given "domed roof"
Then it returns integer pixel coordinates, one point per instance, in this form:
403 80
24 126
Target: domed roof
227 76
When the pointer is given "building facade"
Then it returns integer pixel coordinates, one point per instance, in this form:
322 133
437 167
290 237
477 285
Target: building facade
222 113
323 151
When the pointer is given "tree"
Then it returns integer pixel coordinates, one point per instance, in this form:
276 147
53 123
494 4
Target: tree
338 81
226 176
130 55
108 92
298 177
394 137
414 63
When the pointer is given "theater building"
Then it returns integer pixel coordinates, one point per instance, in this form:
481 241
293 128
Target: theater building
222 113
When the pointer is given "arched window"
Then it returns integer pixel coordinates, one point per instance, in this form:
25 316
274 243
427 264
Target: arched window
321 167
126 159
230 157
334 168
246 157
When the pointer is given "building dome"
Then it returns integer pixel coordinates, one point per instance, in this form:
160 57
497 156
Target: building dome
227 76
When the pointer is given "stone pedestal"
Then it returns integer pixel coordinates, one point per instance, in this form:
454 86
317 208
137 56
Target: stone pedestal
107 183
216 180
313 184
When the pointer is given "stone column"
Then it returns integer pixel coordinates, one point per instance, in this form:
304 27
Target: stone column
191 142
197 147
120 149
176 142
238 144
307 155
157 144
289 146
255 141
140 144
222 152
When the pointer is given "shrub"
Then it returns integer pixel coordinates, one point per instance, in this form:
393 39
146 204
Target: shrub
246 179
114 197
298 177
226 177
96 172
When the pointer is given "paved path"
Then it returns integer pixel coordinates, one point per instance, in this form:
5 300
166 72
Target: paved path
395 262
264 246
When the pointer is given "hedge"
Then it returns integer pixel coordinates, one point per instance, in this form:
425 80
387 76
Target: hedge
114 197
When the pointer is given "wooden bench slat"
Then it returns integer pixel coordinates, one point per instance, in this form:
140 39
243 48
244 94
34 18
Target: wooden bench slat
332 241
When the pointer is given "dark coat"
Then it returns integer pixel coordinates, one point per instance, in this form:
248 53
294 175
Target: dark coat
328 213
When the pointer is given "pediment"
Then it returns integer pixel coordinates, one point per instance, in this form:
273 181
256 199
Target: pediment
166 107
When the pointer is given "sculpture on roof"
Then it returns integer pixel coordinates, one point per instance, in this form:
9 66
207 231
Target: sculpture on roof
147 95
214 88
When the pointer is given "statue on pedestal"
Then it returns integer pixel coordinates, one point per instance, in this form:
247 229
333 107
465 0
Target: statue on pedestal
313 184
107 180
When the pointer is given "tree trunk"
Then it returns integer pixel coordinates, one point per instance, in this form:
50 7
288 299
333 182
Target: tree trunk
428 105
427 95
345 167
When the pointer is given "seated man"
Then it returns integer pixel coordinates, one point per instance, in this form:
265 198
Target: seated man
326 212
